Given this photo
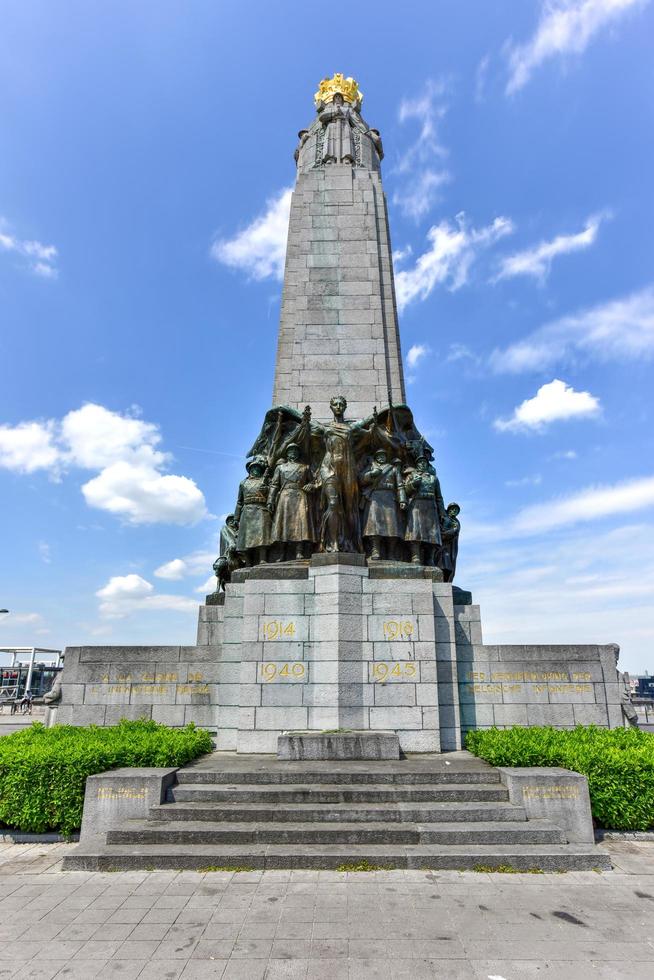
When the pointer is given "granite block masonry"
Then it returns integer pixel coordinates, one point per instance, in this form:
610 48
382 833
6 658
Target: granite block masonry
338 328
331 645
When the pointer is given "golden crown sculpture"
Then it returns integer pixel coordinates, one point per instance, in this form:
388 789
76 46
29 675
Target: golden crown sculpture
338 84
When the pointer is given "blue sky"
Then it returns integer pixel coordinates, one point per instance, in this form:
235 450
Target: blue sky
146 157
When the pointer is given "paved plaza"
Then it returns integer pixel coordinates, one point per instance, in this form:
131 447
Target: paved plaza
310 925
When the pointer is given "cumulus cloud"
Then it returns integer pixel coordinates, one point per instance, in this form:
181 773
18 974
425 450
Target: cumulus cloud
453 249
536 261
621 329
131 482
552 402
260 249
40 259
127 594
28 446
178 568
416 354
565 27
171 570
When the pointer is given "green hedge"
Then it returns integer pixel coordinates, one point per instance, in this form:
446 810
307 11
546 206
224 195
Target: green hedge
43 770
618 762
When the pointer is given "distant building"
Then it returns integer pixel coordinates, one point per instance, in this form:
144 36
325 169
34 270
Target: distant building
644 685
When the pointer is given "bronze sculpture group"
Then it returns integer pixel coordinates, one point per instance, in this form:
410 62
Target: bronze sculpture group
366 486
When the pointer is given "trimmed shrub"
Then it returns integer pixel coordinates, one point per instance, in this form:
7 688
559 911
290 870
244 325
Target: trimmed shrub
43 770
618 762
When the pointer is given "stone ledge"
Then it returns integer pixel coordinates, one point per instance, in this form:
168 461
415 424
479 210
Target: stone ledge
281 570
551 793
319 560
338 745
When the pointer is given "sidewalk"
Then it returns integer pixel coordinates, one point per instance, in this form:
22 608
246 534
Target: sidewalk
306 925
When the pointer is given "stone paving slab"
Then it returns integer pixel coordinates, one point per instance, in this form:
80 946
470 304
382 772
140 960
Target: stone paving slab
322 925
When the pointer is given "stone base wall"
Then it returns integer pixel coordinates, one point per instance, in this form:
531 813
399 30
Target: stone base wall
173 685
560 685
335 644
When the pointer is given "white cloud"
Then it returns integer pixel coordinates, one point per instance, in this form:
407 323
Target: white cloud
564 454
416 354
422 182
209 585
447 262
96 437
41 258
480 78
44 552
172 570
130 484
460 352
400 254
565 27
537 261
421 193
28 446
21 619
259 249
596 601
428 109
196 563
622 329
525 481
552 402
127 594
142 495
587 505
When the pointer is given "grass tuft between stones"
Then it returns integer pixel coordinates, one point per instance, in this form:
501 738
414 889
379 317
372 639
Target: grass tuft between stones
363 866
210 868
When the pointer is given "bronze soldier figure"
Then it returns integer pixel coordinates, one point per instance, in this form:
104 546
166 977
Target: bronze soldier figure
425 512
382 492
288 500
450 530
228 558
252 516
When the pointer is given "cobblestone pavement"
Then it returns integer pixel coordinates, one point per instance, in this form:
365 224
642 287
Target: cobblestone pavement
308 925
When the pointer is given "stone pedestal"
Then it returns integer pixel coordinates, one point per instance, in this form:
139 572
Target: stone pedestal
338 746
333 647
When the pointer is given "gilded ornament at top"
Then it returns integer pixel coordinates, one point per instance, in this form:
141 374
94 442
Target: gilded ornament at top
338 84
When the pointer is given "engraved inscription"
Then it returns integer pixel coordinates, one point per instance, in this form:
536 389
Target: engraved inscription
122 793
400 670
398 629
550 793
278 629
282 672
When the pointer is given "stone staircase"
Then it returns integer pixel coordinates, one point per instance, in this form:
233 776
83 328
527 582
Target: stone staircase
428 812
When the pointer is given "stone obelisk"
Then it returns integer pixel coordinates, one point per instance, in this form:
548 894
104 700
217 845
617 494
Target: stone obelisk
338 328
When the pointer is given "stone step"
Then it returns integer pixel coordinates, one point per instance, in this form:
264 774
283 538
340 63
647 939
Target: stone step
393 812
435 857
335 794
305 773
197 832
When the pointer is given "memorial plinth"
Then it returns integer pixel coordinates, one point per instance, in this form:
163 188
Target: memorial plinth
337 608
